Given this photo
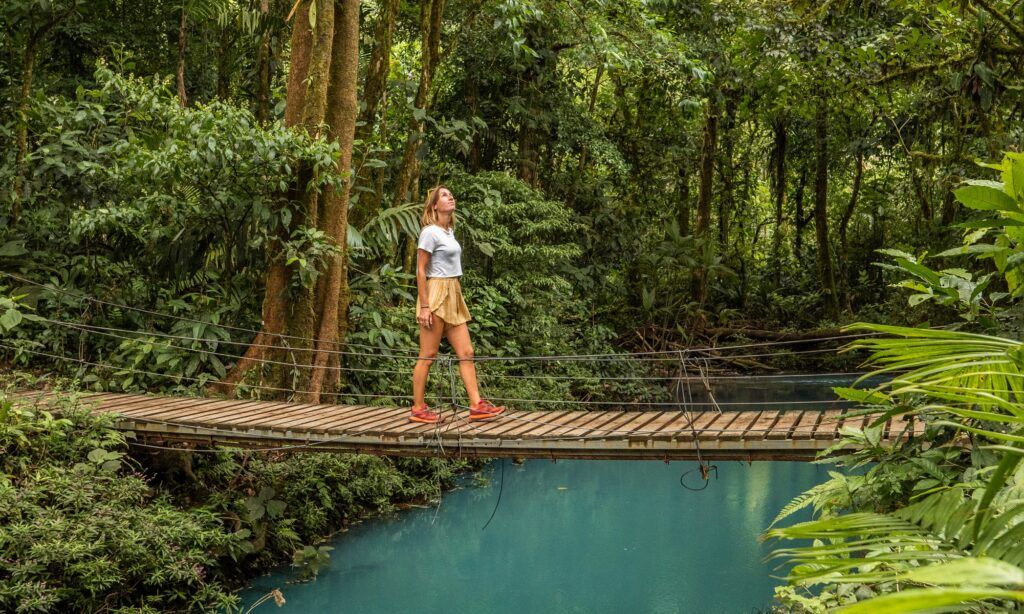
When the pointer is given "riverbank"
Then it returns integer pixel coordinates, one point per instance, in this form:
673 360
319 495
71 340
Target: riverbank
89 521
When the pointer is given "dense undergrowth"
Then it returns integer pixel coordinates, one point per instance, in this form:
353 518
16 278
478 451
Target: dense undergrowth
935 523
90 524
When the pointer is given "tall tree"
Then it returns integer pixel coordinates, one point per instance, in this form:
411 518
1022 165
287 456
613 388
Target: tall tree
430 31
333 294
51 16
705 186
825 268
288 316
374 89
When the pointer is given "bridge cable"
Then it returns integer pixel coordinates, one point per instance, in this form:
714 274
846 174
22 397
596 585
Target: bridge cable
687 400
113 333
667 353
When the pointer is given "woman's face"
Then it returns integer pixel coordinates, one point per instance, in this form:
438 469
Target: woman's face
445 201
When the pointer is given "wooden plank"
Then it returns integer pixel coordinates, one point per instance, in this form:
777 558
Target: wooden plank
112 404
504 426
270 414
597 418
763 426
199 404
137 407
714 431
654 427
49 400
397 421
608 427
263 416
739 426
685 430
804 429
857 422
532 423
636 426
563 425
887 429
395 416
197 413
153 410
784 425
33 395
418 427
498 427
898 428
251 414
281 419
828 427
153 401
354 422
314 414
228 414
339 417
87 398
225 419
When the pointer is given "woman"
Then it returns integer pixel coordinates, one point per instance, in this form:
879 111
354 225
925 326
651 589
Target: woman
440 308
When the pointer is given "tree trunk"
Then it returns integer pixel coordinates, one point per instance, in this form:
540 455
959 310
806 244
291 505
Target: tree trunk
683 204
288 321
778 185
263 76
799 221
430 28
374 88
378 68
825 269
704 193
224 64
844 224
28 63
182 33
725 171
343 108
28 66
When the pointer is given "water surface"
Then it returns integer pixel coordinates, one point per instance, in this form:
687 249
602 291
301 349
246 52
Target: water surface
570 536
573 536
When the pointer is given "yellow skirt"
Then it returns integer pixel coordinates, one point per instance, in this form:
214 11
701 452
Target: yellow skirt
445 297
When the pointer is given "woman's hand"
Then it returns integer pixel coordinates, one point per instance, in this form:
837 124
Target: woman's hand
425 317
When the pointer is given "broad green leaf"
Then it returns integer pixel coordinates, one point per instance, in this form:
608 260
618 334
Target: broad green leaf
974 571
986 198
920 599
13 249
10 319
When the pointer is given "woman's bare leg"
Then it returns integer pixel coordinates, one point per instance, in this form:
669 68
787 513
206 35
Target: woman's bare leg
430 341
458 336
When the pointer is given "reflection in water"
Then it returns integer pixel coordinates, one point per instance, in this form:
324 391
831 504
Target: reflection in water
571 536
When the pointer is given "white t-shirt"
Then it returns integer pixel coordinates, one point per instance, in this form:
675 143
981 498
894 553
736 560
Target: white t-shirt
445 252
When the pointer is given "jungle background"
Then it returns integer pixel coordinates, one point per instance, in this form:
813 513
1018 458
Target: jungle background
216 195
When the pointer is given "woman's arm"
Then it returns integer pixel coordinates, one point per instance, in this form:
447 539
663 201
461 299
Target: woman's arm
424 317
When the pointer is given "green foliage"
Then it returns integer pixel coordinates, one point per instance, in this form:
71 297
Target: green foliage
85 526
935 522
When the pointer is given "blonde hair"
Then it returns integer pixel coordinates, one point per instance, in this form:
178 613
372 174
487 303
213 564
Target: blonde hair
429 214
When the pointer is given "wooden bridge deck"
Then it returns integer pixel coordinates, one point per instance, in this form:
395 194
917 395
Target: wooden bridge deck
651 435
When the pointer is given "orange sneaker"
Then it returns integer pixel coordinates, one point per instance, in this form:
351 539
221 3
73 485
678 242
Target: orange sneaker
485 410
424 414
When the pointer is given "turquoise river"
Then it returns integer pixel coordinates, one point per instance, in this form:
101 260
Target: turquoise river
570 536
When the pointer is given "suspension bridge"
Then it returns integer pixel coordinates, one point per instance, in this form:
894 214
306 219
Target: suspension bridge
680 429
777 434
